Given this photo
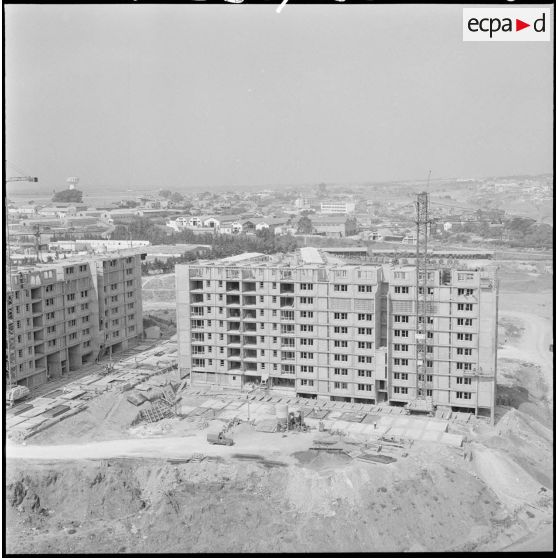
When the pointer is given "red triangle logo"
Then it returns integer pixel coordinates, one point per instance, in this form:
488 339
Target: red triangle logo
519 25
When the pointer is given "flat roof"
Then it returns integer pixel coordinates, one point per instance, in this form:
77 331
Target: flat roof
311 255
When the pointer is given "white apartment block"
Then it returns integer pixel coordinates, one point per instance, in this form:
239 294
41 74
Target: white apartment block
330 208
71 312
328 330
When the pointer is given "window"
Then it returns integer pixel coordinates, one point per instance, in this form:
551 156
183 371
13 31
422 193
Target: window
467 307
340 288
364 344
48 302
306 286
464 381
306 300
464 366
464 351
72 336
429 377
306 314
305 341
465 292
82 268
340 385
261 298
275 353
84 294
401 362
72 310
340 315
465 336
305 327
338 343
401 319
274 299
364 387
398 347
367 359
262 365
463 395
401 333
70 270
273 285
465 321
49 288
275 339
220 283
262 312
367 317
262 338
343 358
365 331
399 274
364 373
365 288
465 276
262 325
402 290
306 355
398 389
400 376
340 329
306 382
306 368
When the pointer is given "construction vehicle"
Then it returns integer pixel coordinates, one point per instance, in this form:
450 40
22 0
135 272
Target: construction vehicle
16 393
219 439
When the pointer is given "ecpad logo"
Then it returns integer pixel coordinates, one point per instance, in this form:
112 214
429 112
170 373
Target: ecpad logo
505 24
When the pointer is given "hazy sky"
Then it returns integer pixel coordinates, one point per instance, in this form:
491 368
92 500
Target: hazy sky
201 95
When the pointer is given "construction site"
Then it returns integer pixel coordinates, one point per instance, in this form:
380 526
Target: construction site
135 454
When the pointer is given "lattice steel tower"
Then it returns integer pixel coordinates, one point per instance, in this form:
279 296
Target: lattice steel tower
422 297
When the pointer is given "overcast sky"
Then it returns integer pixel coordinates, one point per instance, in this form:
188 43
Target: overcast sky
200 95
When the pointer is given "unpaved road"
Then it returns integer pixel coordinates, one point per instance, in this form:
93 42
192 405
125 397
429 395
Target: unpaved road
172 447
533 345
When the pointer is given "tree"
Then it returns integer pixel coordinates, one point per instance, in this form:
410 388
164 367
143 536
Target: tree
68 196
176 197
165 193
305 225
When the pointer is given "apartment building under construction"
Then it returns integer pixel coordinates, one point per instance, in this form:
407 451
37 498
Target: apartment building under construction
312 325
65 314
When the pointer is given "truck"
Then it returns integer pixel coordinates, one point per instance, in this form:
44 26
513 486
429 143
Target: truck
219 439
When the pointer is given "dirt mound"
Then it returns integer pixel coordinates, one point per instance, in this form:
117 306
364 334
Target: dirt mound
107 417
227 506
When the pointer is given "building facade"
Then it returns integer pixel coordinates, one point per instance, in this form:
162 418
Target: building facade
335 331
332 208
67 314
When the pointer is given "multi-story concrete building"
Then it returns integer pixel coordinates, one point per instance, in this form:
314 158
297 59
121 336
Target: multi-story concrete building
313 326
71 312
330 208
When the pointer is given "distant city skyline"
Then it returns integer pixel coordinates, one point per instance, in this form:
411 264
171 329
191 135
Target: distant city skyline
197 96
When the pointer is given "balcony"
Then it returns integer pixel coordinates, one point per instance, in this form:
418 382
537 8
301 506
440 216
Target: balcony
233 353
287 329
248 287
196 299
197 312
249 327
286 302
196 286
250 340
250 353
234 365
287 315
286 288
232 286
249 315
250 367
249 301
234 340
287 355
233 313
233 300
233 326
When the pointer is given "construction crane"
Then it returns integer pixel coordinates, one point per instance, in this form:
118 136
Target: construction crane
10 321
422 298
